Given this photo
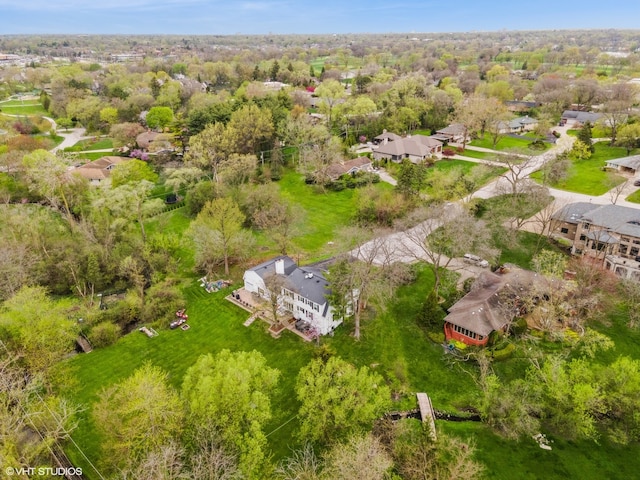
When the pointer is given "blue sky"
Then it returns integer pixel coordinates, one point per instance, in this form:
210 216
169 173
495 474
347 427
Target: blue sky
221 17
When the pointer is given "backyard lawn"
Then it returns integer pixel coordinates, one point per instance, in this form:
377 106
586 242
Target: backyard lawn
23 107
392 344
95 143
325 211
588 176
507 143
634 197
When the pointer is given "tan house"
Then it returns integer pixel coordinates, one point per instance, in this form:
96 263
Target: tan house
348 167
608 233
98 171
488 306
416 148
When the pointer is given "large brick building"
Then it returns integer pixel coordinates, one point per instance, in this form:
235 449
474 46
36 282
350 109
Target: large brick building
609 233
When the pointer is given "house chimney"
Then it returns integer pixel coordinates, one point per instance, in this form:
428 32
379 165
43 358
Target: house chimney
279 264
386 139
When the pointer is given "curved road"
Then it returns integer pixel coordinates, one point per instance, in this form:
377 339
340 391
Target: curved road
401 246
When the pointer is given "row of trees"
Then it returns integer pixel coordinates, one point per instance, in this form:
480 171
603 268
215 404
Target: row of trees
221 411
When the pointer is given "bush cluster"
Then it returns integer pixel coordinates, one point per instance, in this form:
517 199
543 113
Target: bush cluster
358 179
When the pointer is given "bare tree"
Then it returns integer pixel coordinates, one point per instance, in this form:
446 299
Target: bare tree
362 457
616 186
303 464
368 272
274 285
518 166
617 104
443 232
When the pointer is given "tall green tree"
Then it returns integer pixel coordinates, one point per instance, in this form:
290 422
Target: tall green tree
230 393
218 234
159 117
338 399
132 171
38 328
585 136
138 415
208 149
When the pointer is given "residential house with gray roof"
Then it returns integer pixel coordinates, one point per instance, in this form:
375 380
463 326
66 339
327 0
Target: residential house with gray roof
609 233
416 148
303 291
629 164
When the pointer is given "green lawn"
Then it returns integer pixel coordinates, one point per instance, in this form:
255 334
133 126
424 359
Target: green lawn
392 344
634 197
587 176
596 132
94 144
26 107
480 155
215 324
507 143
89 156
325 211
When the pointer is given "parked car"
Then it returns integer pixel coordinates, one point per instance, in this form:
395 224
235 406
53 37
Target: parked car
475 260
636 183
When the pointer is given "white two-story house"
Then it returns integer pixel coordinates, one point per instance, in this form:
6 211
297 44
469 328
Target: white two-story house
303 291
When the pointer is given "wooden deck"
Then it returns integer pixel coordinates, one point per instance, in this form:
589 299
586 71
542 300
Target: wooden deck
426 412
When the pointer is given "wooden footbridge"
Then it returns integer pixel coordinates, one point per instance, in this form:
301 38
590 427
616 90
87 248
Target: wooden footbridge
426 413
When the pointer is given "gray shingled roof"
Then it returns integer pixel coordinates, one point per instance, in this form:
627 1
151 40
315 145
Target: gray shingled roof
573 212
582 117
306 281
632 162
480 310
616 218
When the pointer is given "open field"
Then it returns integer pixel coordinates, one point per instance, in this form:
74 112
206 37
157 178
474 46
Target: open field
22 107
588 176
508 143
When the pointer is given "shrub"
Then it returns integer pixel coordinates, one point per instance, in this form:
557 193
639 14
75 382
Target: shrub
537 145
448 152
104 334
436 337
519 327
503 353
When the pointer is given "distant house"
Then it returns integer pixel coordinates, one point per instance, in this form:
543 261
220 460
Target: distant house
576 119
304 291
453 133
416 148
98 171
386 137
626 164
518 125
609 233
360 164
486 308
145 138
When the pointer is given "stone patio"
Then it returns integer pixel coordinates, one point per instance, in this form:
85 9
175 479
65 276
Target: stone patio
259 309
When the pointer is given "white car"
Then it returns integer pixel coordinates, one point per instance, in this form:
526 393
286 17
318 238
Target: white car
475 260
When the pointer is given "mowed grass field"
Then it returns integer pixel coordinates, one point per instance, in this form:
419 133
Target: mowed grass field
392 344
23 107
588 176
508 143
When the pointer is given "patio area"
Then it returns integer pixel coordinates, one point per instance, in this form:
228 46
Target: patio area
260 309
